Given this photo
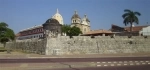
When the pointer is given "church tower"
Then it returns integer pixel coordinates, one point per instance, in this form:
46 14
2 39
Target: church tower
75 20
83 24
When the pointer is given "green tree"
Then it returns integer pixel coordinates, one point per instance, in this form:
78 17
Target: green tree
6 34
74 31
65 28
3 27
130 17
71 31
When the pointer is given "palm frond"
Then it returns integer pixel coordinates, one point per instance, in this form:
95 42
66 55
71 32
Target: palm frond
136 20
125 15
127 10
137 13
126 21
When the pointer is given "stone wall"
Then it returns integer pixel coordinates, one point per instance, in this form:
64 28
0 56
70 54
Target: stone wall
1 45
98 45
84 45
28 45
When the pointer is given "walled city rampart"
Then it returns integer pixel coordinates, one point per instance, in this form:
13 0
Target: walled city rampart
28 45
84 45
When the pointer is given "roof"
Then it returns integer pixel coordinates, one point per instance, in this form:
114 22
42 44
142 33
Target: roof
17 35
52 20
34 27
98 32
75 15
135 28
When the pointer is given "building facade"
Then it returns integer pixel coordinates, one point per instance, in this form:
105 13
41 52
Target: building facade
83 24
38 31
145 31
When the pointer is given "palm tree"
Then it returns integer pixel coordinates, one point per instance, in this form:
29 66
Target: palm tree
130 17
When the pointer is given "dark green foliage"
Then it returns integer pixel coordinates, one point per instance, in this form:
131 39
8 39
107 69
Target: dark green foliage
130 17
71 31
74 31
6 34
66 28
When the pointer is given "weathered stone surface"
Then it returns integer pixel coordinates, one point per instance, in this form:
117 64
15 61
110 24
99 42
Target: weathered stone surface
83 45
29 45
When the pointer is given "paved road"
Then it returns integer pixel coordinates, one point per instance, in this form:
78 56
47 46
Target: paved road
144 67
103 63
47 60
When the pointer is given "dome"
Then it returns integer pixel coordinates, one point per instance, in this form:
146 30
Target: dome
52 20
75 15
58 17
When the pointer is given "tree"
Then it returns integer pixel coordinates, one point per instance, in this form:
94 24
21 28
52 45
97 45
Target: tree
71 31
74 31
65 28
3 27
130 17
6 34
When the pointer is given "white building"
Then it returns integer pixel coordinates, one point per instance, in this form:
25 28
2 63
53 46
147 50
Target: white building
145 31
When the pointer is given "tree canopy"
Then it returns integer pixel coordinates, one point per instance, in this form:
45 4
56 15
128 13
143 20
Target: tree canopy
6 34
130 17
71 31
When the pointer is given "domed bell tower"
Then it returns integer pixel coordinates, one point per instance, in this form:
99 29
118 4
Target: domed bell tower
76 18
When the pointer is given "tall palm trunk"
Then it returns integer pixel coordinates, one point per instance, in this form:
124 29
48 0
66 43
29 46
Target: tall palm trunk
131 29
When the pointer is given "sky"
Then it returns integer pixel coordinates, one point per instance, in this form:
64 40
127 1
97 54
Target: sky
22 14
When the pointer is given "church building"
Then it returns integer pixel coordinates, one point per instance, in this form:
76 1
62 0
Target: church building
83 24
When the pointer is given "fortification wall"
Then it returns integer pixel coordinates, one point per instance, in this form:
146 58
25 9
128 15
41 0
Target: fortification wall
97 45
1 45
83 45
28 45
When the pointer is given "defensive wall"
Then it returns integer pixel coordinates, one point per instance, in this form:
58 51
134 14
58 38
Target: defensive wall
65 45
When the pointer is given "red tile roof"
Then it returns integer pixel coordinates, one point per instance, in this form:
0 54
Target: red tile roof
135 28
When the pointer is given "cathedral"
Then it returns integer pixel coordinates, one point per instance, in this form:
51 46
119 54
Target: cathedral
83 24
